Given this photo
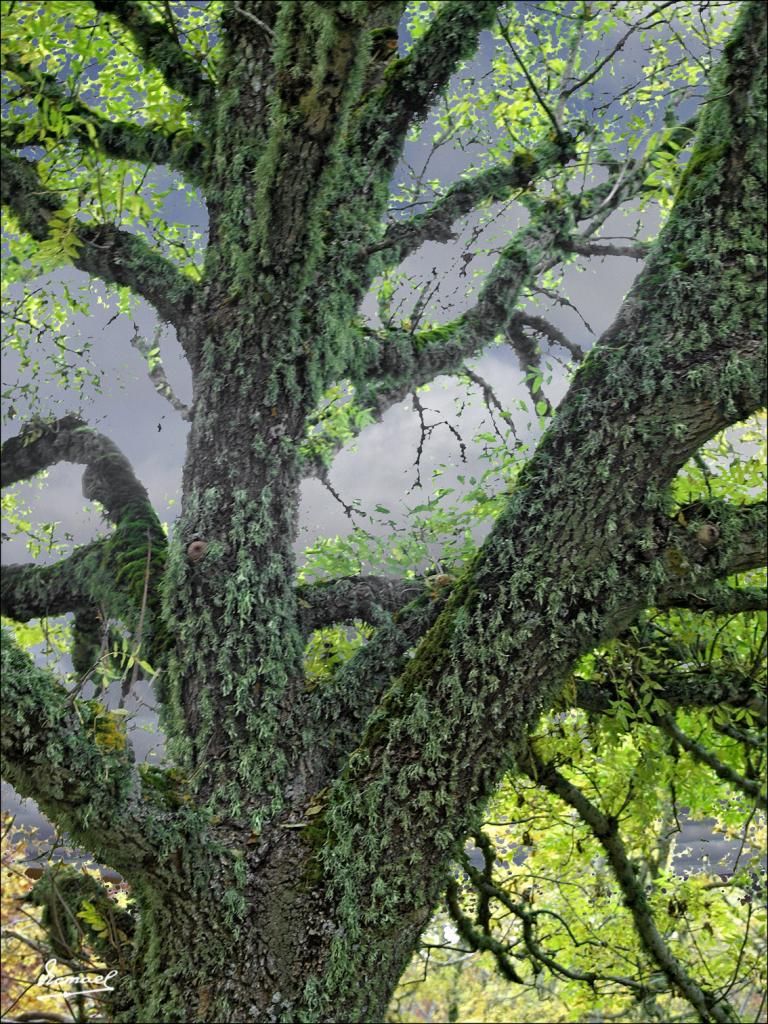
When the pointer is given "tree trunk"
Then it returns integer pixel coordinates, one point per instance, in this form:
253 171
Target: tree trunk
249 935
284 868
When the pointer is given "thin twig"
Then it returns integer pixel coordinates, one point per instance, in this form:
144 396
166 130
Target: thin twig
253 18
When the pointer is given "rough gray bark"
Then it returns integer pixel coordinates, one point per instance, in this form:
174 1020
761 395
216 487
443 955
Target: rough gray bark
285 870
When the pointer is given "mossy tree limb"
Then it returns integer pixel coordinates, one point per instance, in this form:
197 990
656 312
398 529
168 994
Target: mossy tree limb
112 574
34 591
51 754
411 83
354 597
160 49
43 443
492 185
114 255
120 140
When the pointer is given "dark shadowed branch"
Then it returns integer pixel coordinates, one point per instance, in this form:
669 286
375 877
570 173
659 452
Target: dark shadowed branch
751 787
412 83
724 599
34 591
120 140
480 939
354 597
108 479
112 573
638 251
492 185
160 49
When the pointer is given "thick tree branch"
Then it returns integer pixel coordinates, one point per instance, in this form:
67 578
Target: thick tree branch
160 49
354 597
638 251
108 479
740 545
35 591
566 566
494 185
73 758
113 573
391 363
412 83
52 753
126 259
605 829
104 251
751 787
316 460
120 140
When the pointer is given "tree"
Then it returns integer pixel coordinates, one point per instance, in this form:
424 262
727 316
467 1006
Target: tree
287 858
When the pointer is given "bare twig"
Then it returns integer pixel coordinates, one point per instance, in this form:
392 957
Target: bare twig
252 17
156 370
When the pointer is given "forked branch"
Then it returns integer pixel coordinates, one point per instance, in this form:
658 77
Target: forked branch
412 83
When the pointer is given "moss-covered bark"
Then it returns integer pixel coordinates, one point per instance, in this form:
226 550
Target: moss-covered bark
285 866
